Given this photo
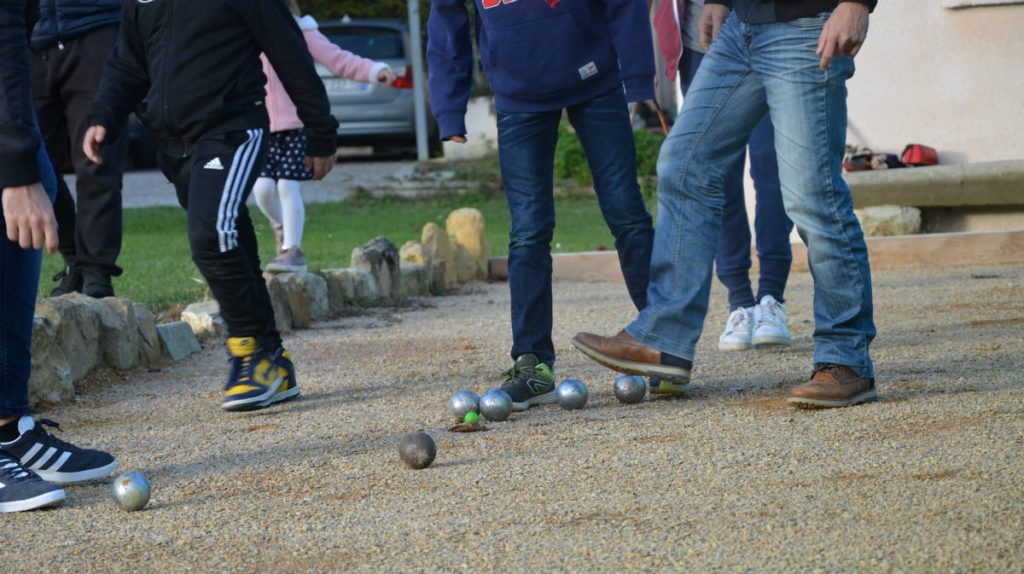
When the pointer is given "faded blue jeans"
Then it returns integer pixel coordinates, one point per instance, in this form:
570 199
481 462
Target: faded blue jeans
750 70
19 282
526 148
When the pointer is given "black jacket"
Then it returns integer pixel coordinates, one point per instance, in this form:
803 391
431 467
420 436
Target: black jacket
61 20
19 137
762 11
192 67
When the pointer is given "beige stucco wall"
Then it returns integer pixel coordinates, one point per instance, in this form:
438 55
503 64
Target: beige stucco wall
952 79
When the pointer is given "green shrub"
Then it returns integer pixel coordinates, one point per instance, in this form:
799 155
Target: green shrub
571 163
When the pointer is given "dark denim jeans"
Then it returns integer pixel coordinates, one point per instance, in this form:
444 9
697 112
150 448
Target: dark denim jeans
19 282
753 69
771 224
526 146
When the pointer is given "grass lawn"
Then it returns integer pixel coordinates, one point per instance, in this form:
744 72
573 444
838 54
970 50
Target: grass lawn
158 269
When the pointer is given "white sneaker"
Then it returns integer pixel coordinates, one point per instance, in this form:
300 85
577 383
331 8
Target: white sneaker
736 336
770 324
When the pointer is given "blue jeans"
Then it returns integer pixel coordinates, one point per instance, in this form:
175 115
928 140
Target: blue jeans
526 148
751 70
771 224
19 282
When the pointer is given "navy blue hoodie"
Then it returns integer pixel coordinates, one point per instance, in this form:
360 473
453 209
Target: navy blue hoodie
538 55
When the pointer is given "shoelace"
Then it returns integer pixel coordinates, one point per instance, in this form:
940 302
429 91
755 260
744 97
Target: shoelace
774 311
824 368
56 441
742 320
13 469
512 375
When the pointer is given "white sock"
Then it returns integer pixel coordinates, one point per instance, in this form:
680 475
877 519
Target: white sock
293 213
265 192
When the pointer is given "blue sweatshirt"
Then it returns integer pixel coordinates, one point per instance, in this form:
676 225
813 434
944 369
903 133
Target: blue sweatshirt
538 55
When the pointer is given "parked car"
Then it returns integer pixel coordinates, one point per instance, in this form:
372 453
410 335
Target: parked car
370 114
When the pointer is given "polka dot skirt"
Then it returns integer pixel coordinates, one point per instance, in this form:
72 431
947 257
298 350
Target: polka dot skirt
286 156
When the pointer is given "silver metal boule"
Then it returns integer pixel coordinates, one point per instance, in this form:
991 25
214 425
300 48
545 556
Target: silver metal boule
464 401
131 491
496 405
630 389
571 394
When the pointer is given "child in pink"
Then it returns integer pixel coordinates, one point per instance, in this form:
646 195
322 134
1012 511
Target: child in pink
277 190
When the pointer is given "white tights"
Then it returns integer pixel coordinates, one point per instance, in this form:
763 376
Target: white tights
281 202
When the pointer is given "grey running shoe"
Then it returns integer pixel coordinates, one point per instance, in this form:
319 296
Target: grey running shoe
290 260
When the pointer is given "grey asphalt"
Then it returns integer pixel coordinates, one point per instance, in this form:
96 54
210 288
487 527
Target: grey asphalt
929 479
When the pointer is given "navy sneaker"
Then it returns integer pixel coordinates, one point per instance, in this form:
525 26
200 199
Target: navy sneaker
53 459
529 382
22 489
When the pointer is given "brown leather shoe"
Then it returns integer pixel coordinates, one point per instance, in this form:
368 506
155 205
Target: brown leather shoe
833 386
625 354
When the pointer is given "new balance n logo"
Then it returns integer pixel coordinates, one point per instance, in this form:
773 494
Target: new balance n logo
214 164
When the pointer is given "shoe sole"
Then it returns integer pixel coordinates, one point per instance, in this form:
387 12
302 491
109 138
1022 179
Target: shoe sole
772 341
729 347
271 268
57 477
865 397
669 373
42 501
257 402
548 398
282 397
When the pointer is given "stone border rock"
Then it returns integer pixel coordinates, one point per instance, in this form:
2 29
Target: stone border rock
74 335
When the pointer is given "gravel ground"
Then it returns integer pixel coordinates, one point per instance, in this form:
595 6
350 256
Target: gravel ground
930 479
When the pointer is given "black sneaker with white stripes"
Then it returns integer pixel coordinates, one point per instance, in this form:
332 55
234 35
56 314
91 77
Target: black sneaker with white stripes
22 489
53 459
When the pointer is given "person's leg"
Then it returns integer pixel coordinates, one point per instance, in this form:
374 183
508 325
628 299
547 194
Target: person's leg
98 231
293 212
606 135
808 110
264 191
724 103
46 99
771 224
526 149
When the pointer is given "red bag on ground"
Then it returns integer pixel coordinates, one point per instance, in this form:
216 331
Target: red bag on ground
917 155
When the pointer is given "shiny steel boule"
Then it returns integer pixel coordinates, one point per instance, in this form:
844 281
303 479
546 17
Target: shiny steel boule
571 394
496 405
630 389
464 401
131 491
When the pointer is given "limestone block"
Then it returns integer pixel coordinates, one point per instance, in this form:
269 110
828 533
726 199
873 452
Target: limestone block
415 252
205 320
341 289
416 279
51 380
307 297
466 268
279 301
367 291
466 228
380 258
178 340
886 220
436 241
77 329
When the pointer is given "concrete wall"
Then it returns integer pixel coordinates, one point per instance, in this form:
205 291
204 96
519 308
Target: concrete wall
952 79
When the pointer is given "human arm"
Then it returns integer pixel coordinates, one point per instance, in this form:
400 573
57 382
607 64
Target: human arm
343 63
123 86
279 37
630 27
450 66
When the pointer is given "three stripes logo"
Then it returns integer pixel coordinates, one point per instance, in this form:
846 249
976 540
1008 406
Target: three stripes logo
49 460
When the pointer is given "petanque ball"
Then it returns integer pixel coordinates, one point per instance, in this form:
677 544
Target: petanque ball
417 450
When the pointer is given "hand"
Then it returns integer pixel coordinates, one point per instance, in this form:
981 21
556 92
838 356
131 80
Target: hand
320 166
94 138
711 20
843 33
29 217
458 139
386 77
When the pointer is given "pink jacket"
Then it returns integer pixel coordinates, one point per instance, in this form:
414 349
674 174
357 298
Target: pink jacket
283 115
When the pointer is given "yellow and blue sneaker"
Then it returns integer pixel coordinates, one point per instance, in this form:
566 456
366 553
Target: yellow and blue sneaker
258 378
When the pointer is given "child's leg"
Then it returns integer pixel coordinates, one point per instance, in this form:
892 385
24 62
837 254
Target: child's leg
293 212
222 237
606 135
265 193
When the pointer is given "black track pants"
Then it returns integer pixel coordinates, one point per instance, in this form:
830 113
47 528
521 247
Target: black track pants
213 183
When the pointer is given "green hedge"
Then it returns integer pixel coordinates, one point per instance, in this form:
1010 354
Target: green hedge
571 163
